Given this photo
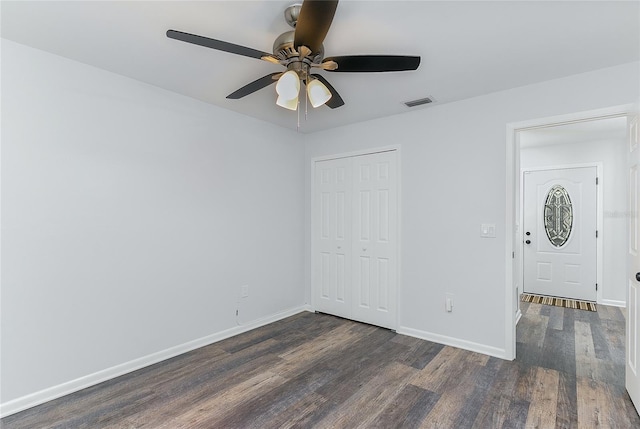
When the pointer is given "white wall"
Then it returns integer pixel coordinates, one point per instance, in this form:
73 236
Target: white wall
611 153
131 216
453 179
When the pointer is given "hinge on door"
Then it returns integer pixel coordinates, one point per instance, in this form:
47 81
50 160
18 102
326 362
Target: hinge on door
596 233
513 255
596 180
596 286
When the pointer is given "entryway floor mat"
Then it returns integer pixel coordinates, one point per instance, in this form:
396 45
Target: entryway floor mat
559 302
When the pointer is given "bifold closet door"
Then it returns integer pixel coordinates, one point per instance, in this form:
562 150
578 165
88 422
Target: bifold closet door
374 244
355 238
332 233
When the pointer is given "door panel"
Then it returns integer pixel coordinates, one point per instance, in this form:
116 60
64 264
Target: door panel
375 246
363 285
332 250
560 222
633 268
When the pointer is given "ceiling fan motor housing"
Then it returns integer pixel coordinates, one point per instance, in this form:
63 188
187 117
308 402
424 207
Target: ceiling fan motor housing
283 48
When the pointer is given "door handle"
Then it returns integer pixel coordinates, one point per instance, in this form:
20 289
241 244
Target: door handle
528 241
638 277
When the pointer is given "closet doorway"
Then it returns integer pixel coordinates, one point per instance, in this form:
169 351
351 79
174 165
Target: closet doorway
355 237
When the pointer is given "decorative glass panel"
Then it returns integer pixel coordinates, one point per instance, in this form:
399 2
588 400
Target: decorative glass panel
558 216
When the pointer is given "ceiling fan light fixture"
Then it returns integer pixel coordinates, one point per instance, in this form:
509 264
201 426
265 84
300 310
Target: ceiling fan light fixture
299 51
318 93
287 104
288 86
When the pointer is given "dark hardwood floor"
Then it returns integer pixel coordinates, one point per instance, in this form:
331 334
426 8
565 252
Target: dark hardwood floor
313 370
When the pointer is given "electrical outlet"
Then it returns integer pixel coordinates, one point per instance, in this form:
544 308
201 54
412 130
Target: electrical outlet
244 291
448 302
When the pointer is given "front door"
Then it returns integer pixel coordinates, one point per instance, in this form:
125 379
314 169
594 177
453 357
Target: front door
560 223
633 268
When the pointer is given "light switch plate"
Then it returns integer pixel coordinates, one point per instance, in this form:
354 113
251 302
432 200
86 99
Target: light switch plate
488 230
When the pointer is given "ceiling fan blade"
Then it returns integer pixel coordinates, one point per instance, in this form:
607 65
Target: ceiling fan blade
217 44
374 63
313 23
335 100
253 86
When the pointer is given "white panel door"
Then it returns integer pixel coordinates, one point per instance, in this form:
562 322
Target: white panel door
375 239
332 234
633 267
355 205
560 223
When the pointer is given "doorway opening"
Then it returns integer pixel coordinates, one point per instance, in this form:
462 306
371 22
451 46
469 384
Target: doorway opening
564 135
595 151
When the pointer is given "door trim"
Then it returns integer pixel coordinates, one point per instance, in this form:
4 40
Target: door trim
371 151
513 198
599 221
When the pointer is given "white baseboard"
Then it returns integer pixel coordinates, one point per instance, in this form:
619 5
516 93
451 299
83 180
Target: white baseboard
54 392
454 342
613 303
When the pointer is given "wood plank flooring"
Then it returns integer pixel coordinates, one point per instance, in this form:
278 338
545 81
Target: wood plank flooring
319 371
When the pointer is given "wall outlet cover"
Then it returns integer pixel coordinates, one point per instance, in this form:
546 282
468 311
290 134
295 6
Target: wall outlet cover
448 302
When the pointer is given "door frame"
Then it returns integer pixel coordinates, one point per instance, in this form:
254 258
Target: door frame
513 200
599 221
371 151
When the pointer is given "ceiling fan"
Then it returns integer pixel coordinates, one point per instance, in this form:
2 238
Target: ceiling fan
300 51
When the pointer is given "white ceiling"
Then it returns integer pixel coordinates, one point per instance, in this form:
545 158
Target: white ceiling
468 48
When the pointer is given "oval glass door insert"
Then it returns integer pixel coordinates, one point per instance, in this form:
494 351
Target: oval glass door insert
558 216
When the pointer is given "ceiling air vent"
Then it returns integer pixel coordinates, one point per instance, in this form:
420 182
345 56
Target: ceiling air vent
419 102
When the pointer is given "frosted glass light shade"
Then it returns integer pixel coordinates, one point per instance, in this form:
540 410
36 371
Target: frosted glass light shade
318 93
288 86
287 104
